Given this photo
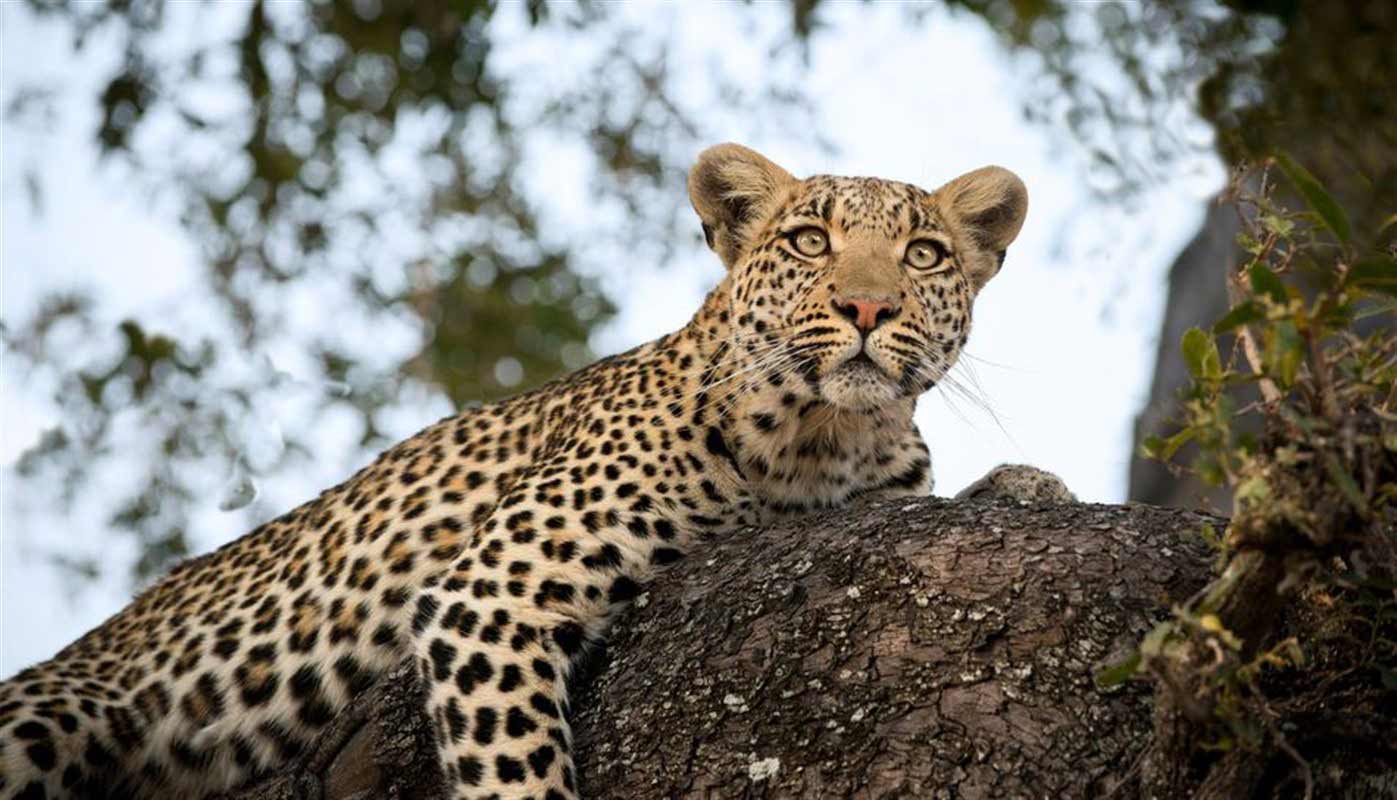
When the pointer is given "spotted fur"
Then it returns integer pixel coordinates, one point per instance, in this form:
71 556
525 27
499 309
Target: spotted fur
496 545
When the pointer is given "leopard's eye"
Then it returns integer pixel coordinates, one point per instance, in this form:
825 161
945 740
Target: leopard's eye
810 242
925 254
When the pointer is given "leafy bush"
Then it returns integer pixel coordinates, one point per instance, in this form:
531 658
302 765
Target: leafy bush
1293 407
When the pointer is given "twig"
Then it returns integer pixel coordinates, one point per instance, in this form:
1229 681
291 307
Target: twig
1235 293
1300 762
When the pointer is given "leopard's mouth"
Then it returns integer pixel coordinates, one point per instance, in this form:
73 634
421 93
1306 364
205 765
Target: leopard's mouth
861 357
862 364
859 383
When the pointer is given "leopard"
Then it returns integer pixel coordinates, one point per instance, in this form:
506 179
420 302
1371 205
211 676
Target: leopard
494 549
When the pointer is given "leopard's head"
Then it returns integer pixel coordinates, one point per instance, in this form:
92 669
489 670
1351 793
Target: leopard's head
859 288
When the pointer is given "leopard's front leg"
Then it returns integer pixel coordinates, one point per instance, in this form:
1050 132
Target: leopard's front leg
497 694
498 635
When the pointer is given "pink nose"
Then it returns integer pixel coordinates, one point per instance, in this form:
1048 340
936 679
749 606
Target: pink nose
865 314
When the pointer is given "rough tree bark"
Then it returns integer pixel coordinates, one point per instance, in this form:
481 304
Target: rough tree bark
924 648
913 648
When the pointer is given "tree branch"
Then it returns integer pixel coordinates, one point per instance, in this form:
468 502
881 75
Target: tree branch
901 648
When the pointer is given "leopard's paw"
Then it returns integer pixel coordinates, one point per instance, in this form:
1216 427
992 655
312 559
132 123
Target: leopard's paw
1020 482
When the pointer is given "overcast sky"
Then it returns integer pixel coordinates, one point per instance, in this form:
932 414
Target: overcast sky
1062 347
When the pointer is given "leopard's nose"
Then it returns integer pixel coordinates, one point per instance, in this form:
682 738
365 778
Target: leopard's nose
865 313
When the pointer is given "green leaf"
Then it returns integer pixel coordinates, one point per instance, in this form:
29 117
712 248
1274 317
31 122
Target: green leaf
1212 536
1151 446
1240 315
1162 449
1248 244
1329 211
1345 482
1201 354
1209 471
1377 273
1283 353
1265 282
1277 225
1173 443
1114 675
1222 745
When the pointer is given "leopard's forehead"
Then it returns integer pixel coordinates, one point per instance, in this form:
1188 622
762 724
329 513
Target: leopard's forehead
859 203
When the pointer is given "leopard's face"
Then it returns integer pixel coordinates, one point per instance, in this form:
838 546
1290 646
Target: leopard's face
862 288
855 285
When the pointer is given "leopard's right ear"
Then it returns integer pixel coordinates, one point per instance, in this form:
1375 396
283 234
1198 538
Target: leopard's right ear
733 188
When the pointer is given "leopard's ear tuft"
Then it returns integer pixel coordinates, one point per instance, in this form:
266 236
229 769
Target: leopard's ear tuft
991 202
733 188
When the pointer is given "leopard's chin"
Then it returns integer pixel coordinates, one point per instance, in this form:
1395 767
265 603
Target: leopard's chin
859 384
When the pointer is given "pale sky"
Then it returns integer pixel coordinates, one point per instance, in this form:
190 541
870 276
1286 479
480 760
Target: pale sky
1062 347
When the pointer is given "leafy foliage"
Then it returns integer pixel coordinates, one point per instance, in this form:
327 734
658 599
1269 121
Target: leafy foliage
1311 458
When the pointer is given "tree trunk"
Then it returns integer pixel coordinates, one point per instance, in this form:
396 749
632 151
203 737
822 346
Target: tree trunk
910 648
1196 298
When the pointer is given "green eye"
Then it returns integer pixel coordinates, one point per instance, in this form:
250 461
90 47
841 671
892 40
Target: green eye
925 254
810 242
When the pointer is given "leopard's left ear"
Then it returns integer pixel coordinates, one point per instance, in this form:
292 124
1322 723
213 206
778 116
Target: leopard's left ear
991 202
